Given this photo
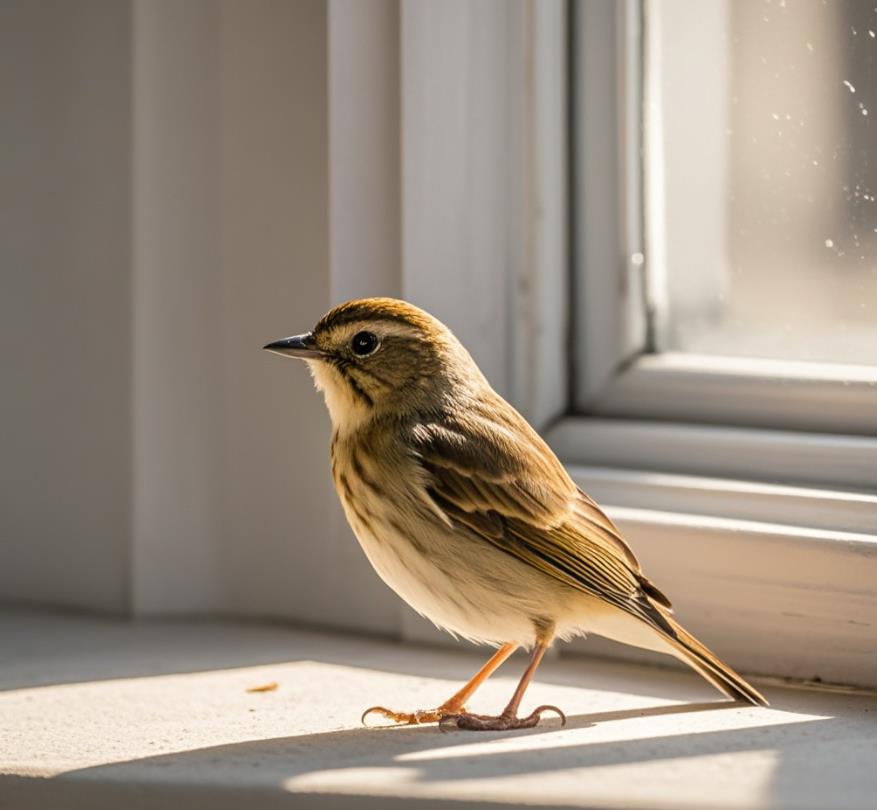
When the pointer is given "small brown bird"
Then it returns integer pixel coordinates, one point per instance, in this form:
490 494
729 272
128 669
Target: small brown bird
467 514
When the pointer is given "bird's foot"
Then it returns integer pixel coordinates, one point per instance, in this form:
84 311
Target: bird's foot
415 718
503 722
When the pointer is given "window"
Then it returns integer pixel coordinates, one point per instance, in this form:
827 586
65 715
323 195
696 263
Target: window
724 374
761 165
745 229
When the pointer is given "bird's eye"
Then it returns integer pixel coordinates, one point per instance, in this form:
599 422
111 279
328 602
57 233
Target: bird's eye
364 343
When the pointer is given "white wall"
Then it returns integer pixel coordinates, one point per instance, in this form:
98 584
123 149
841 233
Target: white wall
166 212
65 302
234 508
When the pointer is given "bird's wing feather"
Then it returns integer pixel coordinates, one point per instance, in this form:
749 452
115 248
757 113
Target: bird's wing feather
513 493
483 465
554 527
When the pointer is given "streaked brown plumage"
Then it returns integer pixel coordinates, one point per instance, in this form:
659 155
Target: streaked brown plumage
466 513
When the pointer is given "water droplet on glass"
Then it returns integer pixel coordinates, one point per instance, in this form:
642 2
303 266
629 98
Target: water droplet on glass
851 88
871 34
637 259
829 243
810 47
775 116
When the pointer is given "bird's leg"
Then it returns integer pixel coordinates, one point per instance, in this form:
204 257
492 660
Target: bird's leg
509 718
453 706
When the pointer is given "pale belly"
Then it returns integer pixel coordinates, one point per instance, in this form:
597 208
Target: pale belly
461 583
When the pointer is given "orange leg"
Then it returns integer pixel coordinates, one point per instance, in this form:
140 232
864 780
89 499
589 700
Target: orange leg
509 718
454 705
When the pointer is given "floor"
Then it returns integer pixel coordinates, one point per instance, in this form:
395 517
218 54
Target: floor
102 713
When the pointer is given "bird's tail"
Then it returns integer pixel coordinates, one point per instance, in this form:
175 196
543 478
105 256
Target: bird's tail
717 672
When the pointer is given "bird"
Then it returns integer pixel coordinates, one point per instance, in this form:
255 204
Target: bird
466 513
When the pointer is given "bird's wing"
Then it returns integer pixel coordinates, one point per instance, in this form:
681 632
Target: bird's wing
500 480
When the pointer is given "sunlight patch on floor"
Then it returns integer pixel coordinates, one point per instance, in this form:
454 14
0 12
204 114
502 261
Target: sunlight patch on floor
166 705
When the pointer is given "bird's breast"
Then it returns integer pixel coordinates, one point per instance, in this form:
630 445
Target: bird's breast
456 580
385 504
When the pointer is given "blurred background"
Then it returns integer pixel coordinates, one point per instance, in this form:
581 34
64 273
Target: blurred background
181 182
767 141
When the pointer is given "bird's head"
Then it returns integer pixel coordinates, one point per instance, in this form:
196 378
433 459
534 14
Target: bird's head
378 356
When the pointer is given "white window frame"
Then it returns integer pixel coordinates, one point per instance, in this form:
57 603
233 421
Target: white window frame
619 178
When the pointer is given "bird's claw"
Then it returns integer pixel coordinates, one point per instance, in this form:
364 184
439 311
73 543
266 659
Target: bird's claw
396 717
408 718
502 722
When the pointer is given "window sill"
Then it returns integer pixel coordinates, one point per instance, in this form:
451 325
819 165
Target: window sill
105 713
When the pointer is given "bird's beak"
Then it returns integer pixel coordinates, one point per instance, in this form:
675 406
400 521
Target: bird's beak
303 346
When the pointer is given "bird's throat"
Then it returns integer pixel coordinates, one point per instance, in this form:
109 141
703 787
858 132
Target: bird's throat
347 411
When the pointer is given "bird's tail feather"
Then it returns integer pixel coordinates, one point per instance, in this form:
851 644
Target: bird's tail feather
717 672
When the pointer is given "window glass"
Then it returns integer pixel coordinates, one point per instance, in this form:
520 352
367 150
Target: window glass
760 127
